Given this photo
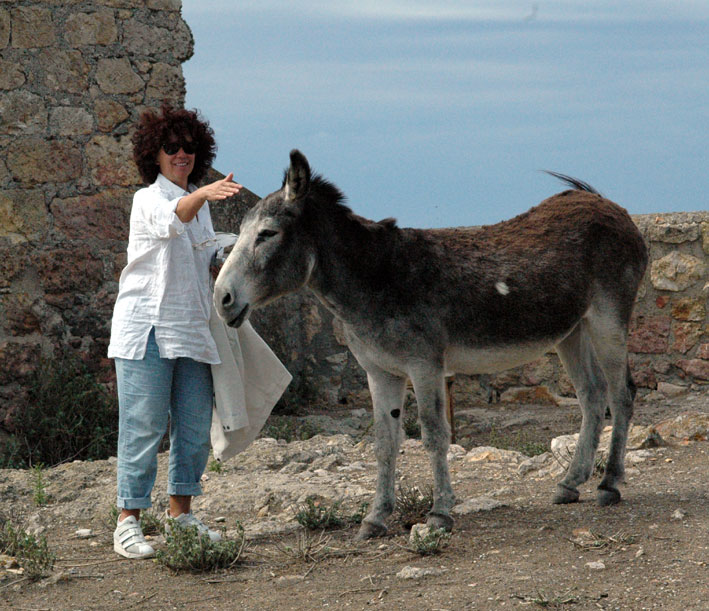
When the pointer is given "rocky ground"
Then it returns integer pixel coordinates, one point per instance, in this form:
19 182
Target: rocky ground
510 547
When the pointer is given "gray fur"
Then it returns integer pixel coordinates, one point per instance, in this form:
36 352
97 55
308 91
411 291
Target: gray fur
422 304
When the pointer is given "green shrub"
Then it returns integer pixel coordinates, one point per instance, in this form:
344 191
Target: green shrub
289 429
413 504
519 442
32 553
69 416
40 496
187 550
431 543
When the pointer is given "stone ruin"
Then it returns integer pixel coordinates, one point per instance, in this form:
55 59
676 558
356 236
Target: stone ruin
74 77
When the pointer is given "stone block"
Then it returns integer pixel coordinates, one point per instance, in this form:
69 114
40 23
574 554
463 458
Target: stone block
676 271
32 27
4 28
649 335
22 112
33 161
141 39
674 233
23 214
18 360
164 5
64 70
703 352
166 83
97 28
116 75
689 308
705 237
70 121
103 216
110 161
11 75
109 114
62 270
20 315
697 368
686 336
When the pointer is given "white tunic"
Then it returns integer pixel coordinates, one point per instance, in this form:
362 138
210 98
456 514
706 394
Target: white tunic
166 282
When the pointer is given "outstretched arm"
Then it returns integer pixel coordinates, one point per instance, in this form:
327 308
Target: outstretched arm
189 205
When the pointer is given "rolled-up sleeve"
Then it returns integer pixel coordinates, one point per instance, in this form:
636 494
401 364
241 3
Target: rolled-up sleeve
158 213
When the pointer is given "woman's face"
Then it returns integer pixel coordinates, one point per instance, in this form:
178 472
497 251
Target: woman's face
176 164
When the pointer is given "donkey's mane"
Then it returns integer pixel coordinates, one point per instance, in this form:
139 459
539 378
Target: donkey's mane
325 195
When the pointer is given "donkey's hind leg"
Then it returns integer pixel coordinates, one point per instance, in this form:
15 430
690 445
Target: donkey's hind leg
388 401
609 337
435 434
577 355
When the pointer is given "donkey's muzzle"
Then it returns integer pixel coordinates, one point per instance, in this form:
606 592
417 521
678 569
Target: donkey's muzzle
229 309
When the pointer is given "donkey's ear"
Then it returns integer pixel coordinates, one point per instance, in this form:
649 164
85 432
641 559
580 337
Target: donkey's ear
298 176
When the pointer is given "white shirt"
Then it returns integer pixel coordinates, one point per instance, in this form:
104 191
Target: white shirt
166 283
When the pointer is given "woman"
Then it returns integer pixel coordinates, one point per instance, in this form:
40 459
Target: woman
160 337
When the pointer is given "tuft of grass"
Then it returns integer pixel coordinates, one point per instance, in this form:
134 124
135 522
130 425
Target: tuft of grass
187 550
32 552
431 543
289 429
68 416
40 496
413 504
589 540
306 547
315 514
519 442
215 466
543 599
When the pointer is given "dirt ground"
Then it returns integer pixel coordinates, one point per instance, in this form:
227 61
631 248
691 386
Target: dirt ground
649 552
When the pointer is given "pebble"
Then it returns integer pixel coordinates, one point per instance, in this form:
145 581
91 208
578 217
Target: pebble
84 533
596 565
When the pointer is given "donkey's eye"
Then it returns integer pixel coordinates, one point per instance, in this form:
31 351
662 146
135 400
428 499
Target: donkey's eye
264 235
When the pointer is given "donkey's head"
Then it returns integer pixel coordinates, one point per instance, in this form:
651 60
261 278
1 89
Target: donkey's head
273 255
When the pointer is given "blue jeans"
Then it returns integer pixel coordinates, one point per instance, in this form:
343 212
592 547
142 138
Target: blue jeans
148 391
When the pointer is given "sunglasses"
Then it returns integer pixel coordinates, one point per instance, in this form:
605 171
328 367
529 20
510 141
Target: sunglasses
171 148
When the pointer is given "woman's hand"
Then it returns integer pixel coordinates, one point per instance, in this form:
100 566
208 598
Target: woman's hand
221 189
189 205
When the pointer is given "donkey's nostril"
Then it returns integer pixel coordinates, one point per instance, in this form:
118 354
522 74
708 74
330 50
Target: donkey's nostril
227 300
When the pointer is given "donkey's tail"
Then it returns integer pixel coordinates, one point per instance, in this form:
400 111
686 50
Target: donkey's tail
577 184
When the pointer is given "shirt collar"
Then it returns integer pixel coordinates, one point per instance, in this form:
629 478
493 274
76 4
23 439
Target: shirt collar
171 188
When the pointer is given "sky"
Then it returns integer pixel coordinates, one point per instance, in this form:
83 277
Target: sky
445 113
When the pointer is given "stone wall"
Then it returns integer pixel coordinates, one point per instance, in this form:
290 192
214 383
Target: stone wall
74 77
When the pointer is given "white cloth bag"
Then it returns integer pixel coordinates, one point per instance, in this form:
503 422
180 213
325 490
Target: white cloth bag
247 384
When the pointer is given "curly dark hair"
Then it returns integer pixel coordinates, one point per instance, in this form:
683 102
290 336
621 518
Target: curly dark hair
154 130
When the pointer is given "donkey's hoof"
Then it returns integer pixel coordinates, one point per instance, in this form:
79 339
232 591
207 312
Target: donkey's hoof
608 496
439 520
565 495
369 530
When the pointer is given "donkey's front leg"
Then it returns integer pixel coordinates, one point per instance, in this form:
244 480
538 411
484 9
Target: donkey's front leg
435 433
388 401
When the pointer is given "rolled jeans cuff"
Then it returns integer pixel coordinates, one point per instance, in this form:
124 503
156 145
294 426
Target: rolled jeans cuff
128 503
184 489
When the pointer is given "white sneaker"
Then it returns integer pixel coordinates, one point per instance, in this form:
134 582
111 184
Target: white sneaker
189 519
128 540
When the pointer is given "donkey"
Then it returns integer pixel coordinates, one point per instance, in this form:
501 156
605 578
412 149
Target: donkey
426 303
